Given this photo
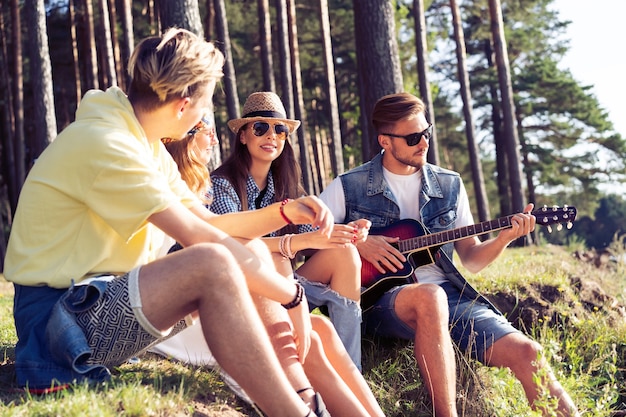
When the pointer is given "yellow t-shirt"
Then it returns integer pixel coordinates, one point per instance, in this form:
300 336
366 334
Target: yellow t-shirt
83 208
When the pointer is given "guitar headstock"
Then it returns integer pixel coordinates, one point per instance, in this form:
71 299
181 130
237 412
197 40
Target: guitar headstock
547 216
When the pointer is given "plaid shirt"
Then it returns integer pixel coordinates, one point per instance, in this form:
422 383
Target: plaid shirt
226 200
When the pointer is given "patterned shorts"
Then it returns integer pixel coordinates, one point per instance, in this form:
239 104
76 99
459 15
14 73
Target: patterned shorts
115 326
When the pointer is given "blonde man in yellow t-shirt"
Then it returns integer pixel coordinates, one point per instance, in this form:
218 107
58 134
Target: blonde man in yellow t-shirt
92 214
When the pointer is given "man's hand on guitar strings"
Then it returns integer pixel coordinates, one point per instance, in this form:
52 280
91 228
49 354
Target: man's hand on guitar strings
378 251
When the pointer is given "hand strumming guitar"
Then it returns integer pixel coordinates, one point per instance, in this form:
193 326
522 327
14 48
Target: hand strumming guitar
378 251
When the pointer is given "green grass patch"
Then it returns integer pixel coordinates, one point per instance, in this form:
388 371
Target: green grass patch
573 308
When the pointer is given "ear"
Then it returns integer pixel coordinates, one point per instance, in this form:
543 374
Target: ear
181 105
383 141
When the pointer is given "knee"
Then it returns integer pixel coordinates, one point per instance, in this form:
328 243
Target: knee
429 298
352 255
209 261
316 353
344 258
530 352
323 327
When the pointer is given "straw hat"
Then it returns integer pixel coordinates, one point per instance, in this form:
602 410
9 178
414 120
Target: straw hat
263 106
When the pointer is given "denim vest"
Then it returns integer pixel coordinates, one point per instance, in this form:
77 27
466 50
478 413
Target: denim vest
368 195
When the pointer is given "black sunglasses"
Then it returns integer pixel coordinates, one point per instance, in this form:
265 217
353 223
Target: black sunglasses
414 138
261 128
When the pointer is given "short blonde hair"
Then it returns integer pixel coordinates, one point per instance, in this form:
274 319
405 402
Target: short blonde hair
174 65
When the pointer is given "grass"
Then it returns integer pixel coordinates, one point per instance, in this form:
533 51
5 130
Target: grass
571 307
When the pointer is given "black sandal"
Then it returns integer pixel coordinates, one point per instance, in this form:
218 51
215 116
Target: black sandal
320 408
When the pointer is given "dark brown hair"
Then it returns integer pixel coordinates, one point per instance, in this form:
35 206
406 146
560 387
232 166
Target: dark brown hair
285 171
395 107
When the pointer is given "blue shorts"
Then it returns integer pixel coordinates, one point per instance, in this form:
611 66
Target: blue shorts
474 326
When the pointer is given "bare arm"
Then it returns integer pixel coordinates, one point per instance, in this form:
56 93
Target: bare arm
256 223
341 236
476 255
188 229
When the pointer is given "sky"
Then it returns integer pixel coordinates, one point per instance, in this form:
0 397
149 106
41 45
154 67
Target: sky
597 53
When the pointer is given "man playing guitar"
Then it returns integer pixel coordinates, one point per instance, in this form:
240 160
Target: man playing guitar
400 184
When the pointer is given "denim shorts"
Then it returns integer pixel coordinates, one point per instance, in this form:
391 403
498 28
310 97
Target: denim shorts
474 326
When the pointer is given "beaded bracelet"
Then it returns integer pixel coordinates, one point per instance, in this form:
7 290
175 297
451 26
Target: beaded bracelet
282 211
297 299
284 246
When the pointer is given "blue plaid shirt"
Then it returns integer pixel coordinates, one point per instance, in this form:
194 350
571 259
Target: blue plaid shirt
226 200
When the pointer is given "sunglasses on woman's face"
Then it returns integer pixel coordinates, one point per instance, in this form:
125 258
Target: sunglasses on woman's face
261 128
413 139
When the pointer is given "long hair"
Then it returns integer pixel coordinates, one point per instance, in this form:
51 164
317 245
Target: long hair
191 169
285 171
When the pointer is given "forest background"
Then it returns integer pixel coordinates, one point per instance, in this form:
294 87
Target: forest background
508 118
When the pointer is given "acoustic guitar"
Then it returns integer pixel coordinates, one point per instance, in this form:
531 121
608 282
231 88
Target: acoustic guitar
420 247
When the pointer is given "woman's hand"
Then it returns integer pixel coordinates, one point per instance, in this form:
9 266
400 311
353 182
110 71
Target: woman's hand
302 328
310 210
342 236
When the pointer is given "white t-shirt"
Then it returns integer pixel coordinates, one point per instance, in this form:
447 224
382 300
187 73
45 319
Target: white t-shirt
407 196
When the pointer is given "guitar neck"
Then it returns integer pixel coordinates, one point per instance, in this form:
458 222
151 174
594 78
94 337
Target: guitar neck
440 238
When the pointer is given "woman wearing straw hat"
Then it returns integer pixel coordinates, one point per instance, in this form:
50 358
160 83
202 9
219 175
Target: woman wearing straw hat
327 367
262 170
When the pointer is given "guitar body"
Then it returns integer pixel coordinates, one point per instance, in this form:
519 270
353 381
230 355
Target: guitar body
419 247
375 283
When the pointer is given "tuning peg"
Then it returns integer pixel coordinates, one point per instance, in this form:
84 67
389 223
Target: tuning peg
549 228
559 227
569 225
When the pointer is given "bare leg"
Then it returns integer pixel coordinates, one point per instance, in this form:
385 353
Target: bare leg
343 389
424 307
206 278
278 327
343 365
339 268
523 357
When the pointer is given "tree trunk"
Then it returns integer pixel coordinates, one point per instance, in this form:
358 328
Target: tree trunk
182 14
88 46
310 183
265 39
106 46
466 95
230 80
115 45
526 168
209 21
41 77
378 62
331 92
128 38
76 63
508 106
18 147
496 120
284 56
422 73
